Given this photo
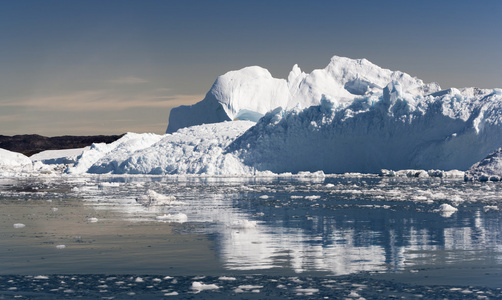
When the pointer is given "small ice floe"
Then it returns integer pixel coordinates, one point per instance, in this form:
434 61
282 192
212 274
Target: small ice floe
488 208
248 288
139 279
153 198
306 292
313 197
178 218
199 286
446 210
41 277
264 197
227 278
60 247
243 224
54 209
171 294
19 225
92 220
108 184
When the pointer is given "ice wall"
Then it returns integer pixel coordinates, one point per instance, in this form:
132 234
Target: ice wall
396 130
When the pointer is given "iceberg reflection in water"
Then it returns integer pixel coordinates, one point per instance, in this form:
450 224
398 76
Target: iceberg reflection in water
336 225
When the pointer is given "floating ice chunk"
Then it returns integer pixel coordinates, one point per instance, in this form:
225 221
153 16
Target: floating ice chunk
446 210
307 291
139 279
243 224
488 208
199 286
153 198
92 220
109 184
41 277
60 247
19 225
227 278
178 218
174 293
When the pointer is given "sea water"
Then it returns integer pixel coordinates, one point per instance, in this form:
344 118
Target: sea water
212 237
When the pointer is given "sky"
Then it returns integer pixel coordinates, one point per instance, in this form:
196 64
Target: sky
92 67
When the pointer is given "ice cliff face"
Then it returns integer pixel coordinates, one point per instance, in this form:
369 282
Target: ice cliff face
249 93
395 129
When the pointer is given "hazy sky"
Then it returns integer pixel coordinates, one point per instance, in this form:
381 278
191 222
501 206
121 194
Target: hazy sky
108 67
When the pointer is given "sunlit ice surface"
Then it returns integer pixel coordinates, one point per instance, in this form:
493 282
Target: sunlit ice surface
246 236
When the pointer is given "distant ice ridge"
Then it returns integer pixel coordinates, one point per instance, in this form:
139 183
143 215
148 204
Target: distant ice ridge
394 129
251 92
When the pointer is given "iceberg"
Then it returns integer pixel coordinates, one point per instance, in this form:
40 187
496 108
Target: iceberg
394 129
249 93
350 117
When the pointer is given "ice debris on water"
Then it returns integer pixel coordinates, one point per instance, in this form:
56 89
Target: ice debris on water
152 198
446 210
243 224
199 286
177 218
19 225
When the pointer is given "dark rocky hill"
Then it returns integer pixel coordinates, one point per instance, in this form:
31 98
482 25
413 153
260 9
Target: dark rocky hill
30 144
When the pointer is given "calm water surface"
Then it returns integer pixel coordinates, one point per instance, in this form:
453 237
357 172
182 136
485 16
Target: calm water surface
128 237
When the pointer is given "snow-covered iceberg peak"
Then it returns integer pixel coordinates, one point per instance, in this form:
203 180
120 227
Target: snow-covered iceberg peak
345 79
246 94
249 93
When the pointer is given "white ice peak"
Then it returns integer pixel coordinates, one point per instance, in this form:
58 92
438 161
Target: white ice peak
249 93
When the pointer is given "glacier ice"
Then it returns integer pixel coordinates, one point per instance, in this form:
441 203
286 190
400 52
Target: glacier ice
249 93
391 130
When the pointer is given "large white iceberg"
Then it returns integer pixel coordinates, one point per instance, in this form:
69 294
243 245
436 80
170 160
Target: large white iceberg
351 116
249 93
